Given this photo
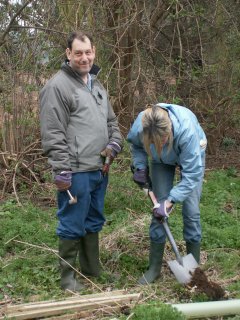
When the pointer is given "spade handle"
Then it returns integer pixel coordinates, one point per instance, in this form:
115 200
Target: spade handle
167 230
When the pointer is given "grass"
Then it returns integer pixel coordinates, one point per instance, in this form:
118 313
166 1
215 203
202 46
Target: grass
29 264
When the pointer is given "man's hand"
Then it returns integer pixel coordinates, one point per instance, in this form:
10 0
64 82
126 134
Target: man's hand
109 153
162 210
63 180
111 150
141 178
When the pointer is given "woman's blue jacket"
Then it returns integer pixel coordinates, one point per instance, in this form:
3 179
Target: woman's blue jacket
188 150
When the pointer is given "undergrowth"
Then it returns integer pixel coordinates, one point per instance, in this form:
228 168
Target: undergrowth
28 243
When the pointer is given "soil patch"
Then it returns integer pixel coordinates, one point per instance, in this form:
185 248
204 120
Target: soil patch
224 159
202 285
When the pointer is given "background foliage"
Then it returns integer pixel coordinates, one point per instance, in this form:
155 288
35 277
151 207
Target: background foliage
29 268
179 51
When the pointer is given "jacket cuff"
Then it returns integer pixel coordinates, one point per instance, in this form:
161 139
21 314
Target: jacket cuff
170 199
58 171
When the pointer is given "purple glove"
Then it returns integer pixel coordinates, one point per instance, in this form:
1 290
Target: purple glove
63 180
161 212
109 153
141 177
115 149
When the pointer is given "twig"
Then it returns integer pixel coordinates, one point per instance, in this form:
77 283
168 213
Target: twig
34 246
14 184
12 22
130 316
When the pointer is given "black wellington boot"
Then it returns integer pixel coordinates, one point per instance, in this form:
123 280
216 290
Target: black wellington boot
89 255
155 263
68 250
194 249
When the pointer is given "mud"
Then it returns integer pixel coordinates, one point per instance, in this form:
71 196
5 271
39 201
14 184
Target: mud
201 284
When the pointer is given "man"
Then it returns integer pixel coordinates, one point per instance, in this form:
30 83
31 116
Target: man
78 129
171 136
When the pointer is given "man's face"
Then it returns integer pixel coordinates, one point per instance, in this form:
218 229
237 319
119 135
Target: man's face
81 56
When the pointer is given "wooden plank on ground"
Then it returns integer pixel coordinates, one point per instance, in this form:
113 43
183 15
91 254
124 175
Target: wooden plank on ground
67 302
53 308
107 311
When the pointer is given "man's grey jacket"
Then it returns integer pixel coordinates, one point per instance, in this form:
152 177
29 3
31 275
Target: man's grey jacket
76 123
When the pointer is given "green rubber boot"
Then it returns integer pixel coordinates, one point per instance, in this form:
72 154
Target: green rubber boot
194 249
155 263
68 250
89 255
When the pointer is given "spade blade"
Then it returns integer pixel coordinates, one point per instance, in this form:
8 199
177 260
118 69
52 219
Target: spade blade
183 273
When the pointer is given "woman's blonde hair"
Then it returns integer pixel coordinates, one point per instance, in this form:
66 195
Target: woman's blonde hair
157 127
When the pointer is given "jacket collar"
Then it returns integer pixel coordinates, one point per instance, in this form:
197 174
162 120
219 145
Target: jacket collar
66 67
95 70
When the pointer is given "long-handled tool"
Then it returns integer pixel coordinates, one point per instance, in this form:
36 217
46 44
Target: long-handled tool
72 200
182 267
106 165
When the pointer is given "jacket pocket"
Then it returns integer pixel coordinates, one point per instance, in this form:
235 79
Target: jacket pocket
98 96
77 149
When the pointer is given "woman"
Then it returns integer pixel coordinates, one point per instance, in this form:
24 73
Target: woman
163 137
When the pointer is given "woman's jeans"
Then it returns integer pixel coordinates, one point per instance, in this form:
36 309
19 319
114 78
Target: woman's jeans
85 216
162 181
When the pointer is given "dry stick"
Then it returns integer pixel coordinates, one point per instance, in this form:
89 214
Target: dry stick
33 245
74 298
55 252
35 160
42 305
11 239
4 185
32 173
4 160
76 315
14 179
20 156
22 313
14 184
84 315
69 303
40 309
5 301
30 147
130 316
227 281
87 314
17 158
27 180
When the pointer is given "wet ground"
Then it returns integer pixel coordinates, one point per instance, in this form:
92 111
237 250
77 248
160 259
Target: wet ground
201 284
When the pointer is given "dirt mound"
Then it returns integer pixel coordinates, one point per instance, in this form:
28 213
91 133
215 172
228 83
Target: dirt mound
202 285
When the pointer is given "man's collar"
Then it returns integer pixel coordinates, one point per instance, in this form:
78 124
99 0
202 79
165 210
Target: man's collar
95 69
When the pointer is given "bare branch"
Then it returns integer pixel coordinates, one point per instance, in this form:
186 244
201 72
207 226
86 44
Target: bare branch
39 28
12 21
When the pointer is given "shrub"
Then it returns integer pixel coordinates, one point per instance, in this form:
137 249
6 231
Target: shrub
156 311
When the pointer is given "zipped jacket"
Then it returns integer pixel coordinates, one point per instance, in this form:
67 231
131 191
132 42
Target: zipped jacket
187 152
77 123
